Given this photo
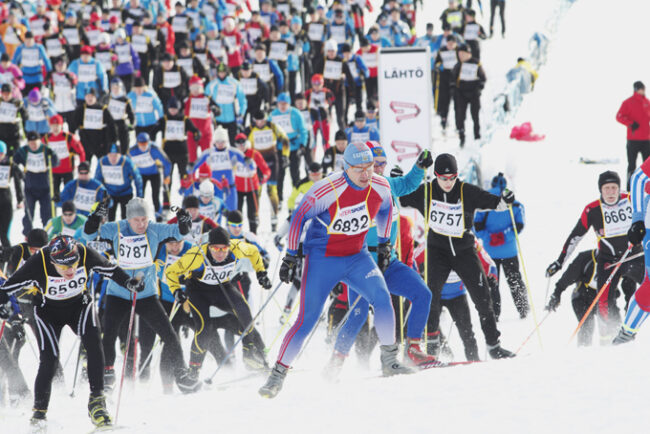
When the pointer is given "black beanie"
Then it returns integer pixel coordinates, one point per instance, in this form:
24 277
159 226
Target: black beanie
219 235
190 202
445 165
235 217
315 167
340 135
608 177
638 85
68 206
36 238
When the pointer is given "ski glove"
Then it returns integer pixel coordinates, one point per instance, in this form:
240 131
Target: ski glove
288 268
95 219
277 240
383 255
4 307
634 126
263 280
184 221
553 268
134 285
16 321
425 160
508 196
553 303
180 296
636 233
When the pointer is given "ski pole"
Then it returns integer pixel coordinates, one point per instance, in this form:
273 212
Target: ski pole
279 333
136 341
51 178
76 370
2 329
600 293
531 333
139 276
313 331
636 255
345 318
523 267
252 323
548 286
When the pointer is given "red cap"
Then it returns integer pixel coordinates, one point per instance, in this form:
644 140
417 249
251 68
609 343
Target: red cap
53 2
95 17
56 119
195 80
317 79
240 136
204 170
87 49
114 19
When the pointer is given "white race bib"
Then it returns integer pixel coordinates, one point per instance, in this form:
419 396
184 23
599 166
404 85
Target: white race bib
134 252
153 36
175 130
8 112
338 34
187 64
225 94
4 176
449 59
617 218
106 59
278 51
35 113
71 35
179 24
171 79
30 57
93 119
254 34
263 70
215 275
87 73
216 47
117 109
370 59
36 162
447 218
123 53
144 104
84 198
333 70
60 148
219 160
54 47
113 175
143 160
139 43
316 31
93 37
283 121
263 139
469 71
199 108
58 288
359 137
471 32
350 220
249 86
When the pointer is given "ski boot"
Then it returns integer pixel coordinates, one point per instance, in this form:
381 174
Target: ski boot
195 368
333 369
186 382
286 313
623 337
417 357
109 378
273 384
254 359
461 135
433 344
389 363
497 352
38 420
97 410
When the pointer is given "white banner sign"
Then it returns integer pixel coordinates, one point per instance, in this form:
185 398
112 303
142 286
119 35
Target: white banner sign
405 104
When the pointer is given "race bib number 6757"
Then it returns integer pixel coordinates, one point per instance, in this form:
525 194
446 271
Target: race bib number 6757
447 218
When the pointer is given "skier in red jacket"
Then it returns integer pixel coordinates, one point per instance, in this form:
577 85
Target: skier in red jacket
635 115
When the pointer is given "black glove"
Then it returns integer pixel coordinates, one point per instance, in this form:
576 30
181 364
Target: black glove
338 289
508 196
134 285
263 280
634 126
425 160
5 254
636 232
197 136
553 303
180 296
553 268
184 221
16 321
383 255
5 309
288 268
284 162
95 219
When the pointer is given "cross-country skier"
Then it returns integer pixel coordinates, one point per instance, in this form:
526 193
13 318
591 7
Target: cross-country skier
342 207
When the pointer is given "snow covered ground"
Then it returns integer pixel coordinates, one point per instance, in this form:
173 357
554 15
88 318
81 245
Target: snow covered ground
558 389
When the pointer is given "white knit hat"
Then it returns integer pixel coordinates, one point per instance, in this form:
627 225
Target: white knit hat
220 134
137 207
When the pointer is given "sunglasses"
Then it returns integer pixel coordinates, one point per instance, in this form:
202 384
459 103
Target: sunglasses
359 170
236 225
219 249
447 177
380 163
67 267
